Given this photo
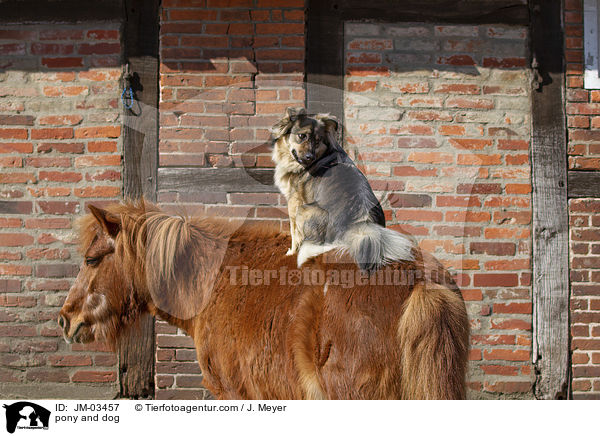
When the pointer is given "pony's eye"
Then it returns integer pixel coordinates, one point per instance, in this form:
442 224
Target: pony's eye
92 261
302 136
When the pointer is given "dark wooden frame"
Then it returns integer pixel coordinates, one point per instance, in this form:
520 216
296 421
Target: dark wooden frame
550 257
325 75
140 160
583 184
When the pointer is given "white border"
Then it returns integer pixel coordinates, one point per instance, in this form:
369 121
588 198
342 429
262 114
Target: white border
590 38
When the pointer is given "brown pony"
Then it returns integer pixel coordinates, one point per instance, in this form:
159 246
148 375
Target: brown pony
262 328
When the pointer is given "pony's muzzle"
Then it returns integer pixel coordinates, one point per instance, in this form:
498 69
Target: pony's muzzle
74 332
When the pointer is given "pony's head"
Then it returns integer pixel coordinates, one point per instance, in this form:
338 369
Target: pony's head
138 259
102 301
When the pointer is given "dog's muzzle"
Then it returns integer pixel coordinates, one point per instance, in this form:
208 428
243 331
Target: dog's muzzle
304 160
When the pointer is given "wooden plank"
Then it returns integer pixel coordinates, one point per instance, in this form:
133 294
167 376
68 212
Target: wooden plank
59 11
140 155
437 11
324 59
193 179
584 184
550 353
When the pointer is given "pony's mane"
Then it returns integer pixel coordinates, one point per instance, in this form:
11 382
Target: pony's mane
167 252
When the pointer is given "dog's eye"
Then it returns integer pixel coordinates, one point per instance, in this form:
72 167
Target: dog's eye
302 136
92 261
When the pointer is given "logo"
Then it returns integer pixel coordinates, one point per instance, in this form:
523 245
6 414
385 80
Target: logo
26 415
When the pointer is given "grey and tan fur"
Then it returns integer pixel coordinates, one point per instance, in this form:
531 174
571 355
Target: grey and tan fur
330 202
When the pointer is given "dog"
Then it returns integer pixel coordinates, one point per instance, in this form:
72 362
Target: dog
330 202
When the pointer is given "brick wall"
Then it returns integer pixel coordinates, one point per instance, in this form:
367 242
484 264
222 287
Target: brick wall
229 68
583 132
439 117
59 150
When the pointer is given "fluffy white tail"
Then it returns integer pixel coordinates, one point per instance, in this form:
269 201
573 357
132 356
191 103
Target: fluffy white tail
373 246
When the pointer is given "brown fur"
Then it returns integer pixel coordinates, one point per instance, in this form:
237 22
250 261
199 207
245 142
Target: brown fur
269 341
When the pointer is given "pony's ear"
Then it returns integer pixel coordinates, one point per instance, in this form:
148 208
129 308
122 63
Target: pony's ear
284 125
110 223
331 122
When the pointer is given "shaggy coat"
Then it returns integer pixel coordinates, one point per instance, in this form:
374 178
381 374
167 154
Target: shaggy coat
281 335
330 202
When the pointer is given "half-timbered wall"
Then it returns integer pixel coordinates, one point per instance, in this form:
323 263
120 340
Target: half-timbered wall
60 149
583 121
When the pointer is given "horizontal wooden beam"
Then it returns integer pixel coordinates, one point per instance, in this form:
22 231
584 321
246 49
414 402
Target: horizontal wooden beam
59 11
584 184
190 179
434 11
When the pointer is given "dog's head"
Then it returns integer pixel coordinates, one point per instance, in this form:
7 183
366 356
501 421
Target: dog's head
301 140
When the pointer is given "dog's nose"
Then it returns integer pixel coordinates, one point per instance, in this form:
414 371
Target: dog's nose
309 156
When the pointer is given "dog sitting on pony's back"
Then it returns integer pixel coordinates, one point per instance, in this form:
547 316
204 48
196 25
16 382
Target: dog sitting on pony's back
330 202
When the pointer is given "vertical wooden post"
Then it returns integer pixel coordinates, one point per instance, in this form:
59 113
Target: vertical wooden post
550 208
140 155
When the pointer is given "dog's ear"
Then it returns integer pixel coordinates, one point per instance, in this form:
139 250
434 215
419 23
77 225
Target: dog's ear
283 126
331 122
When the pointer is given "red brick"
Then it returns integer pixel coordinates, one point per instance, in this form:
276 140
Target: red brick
360 86
17 120
276 28
17 178
98 191
510 355
98 132
58 207
470 103
15 239
61 120
504 62
69 360
47 162
60 147
508 387
48 376
91 161
56 176
525 308
460 60
409 200
479 188
99 48
468 216
94 376
16 147
13 133
495 280
47 223
52 133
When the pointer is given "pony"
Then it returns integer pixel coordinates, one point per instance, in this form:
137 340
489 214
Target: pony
262 327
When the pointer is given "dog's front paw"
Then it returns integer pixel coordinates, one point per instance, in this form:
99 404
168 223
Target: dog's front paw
290 252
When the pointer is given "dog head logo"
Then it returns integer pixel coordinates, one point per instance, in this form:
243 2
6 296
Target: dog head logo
26 415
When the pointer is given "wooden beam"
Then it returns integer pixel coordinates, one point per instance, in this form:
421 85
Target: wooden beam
435 11
140 156
193 179
59 11
324 59
550 258
584 184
